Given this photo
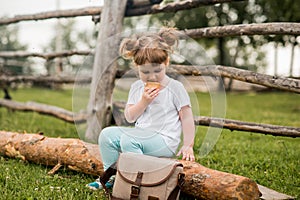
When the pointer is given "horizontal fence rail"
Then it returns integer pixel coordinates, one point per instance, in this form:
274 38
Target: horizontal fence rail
174 7
170 7
275 28
52 14
237 125
230 124
47 56
280 83
45 109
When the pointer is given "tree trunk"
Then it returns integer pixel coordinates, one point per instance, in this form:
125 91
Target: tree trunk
292 59
221 48
276 59
200 182
233 64
105 68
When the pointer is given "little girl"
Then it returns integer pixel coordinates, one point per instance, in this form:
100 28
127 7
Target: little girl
160 113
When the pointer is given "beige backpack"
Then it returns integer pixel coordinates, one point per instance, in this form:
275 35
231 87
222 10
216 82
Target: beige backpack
146 177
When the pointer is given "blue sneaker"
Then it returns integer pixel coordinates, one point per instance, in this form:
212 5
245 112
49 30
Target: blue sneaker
96 185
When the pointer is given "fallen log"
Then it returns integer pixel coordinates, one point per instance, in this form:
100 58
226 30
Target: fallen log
72 153
200 182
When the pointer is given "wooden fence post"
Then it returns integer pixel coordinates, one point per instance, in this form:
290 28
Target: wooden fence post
104 68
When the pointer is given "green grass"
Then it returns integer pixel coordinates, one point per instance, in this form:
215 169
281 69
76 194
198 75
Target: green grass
270 161
22 180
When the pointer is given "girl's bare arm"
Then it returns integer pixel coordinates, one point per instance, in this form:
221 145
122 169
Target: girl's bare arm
188 128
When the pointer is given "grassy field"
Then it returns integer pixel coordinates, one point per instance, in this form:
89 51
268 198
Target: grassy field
270 161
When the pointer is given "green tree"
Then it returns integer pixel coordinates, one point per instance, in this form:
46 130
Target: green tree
70 40
282 11
9 42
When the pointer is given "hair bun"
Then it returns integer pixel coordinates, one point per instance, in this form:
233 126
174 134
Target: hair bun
169 36
127 47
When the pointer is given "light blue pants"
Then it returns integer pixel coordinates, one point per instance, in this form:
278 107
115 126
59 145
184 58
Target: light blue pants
113 140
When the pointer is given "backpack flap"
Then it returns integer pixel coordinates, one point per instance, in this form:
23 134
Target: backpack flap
156 177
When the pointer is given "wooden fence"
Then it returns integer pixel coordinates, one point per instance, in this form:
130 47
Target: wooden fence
280 83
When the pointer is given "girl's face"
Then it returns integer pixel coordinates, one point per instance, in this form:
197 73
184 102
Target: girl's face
152 72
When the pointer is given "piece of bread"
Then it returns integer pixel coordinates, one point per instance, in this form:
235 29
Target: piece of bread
154 85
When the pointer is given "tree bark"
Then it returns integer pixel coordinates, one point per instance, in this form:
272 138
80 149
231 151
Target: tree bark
200 182
104 68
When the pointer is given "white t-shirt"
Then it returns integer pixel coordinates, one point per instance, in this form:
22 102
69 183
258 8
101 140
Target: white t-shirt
162 114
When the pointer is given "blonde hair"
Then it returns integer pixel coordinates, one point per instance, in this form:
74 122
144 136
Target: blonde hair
149 48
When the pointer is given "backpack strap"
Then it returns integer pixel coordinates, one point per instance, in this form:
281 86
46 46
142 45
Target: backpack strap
112 170
135 189
173 195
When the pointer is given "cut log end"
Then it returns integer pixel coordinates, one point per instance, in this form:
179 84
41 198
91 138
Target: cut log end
214 184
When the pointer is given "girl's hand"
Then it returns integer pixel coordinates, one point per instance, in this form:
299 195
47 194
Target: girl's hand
133 111
187 153
149 94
